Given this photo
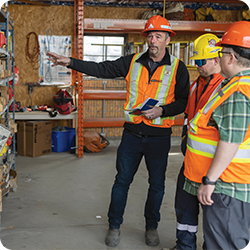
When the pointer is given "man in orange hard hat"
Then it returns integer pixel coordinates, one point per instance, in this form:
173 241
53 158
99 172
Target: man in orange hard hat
217 160
154 74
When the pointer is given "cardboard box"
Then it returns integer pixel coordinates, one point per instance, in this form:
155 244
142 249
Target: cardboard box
13 126
38 138
21 138
4 92
34 138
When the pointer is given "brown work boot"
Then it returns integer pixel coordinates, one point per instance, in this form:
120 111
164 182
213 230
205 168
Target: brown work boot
113 237
152 237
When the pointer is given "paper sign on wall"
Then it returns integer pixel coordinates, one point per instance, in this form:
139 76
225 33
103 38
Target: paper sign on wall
58 75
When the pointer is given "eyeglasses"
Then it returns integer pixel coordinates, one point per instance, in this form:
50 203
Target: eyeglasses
220 53
200 62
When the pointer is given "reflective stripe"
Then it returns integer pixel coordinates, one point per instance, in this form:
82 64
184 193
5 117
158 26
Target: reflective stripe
207 148
133 88
168 71
192 89
216 97
215 91
245 80
128 117
186 227
166 79
185 121
157 121
163 88
165 27
212 100
196 147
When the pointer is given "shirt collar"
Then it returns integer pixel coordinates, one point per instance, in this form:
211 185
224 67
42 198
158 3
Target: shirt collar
145 57
242 73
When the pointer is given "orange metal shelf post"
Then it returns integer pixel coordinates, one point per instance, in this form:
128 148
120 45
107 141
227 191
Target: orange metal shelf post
78 77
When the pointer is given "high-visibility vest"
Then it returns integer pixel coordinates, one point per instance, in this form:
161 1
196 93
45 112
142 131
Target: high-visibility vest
203 140
195 101
161 87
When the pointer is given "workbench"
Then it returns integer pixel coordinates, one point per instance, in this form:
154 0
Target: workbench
42 115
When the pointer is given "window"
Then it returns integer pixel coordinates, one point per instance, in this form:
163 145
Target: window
102 48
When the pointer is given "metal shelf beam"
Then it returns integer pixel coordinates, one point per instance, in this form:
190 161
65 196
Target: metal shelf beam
96 25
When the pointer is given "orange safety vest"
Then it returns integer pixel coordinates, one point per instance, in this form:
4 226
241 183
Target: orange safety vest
197 99
160 87
203 139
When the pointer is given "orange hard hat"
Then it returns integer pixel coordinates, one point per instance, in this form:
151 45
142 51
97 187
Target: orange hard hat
158 23
238 34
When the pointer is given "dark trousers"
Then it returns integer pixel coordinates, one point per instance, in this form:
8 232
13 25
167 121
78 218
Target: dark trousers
226 223
129 155
187 211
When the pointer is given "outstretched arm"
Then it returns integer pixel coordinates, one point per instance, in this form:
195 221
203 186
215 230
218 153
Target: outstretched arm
58 60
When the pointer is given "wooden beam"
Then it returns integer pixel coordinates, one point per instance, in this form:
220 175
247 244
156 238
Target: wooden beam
34 2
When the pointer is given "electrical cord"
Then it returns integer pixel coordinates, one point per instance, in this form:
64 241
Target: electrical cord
34 56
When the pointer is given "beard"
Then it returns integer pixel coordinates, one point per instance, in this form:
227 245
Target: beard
202 73
153 50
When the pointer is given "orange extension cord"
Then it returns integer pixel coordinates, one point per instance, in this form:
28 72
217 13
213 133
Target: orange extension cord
34 56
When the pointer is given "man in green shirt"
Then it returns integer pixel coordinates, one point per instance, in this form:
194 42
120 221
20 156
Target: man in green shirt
217 161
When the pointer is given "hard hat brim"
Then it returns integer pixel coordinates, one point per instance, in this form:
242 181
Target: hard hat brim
145 32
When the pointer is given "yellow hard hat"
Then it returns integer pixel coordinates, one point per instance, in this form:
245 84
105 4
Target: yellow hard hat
204 47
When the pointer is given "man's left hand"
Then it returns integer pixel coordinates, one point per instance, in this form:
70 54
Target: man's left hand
153 113
205 193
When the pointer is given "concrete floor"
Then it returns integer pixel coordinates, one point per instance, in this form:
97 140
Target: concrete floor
62 202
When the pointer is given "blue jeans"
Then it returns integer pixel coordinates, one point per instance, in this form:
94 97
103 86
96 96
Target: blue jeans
187 211
129 155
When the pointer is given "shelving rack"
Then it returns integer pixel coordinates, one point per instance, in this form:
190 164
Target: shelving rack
7 156
117 26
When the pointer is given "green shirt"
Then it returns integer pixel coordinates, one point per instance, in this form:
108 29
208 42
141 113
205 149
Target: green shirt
235 190
232 119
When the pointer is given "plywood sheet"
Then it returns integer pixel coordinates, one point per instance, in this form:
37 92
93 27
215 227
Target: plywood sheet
38 19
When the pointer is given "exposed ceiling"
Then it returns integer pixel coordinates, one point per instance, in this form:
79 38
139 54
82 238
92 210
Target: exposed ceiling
120 2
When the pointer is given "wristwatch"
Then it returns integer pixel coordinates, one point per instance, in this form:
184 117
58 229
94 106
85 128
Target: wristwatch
206 181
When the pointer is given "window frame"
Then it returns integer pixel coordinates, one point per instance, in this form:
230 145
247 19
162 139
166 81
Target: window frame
105 54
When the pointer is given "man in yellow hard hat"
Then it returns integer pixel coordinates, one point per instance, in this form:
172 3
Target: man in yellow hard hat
202 89
154 74
217 160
